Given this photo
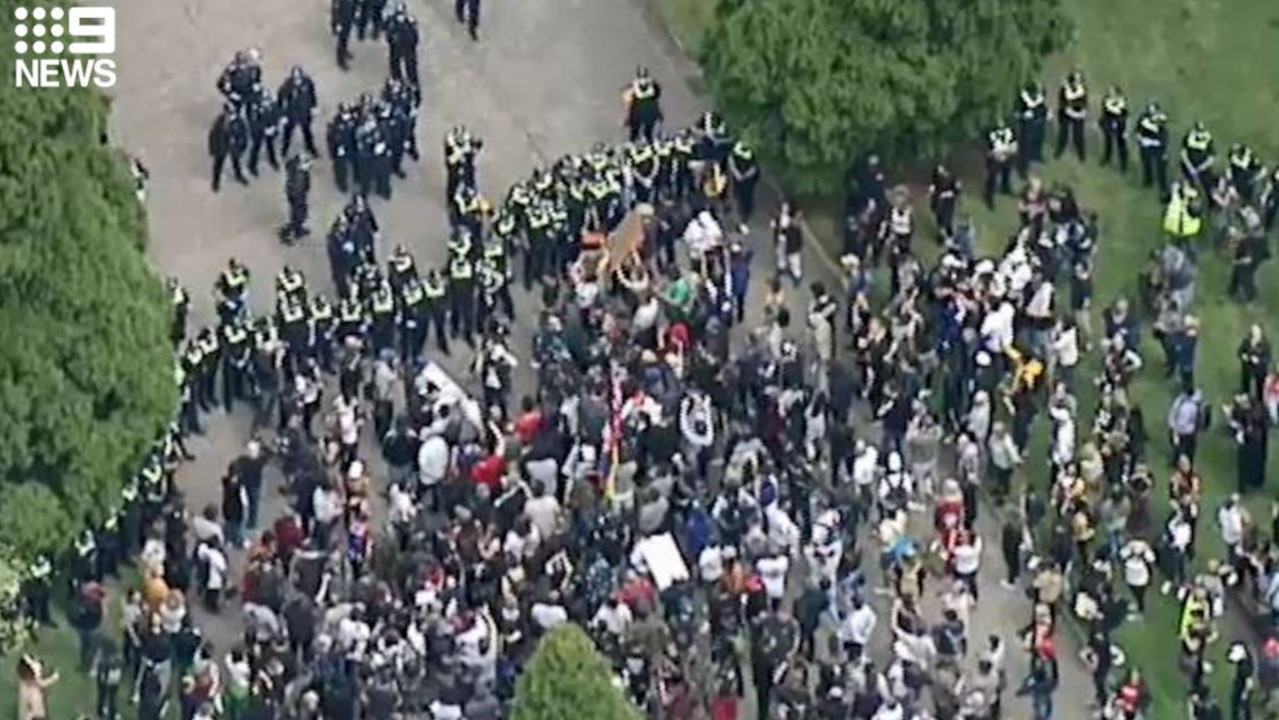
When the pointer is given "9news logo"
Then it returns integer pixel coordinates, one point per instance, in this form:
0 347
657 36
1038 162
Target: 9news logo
44 38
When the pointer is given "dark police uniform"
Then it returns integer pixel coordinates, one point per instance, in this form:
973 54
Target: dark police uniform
297 101
644 107
1072 111
228 139
1244 171
38 591
297 188
412 309
943 197
1032 122
1198 158
460 152
341 142
237 352
400 268
370 18
181 307
264 125
1152 144
241 80
435 289
402 39
341 22
462 297
320 326
743 170
1114 128
372 161
467 12
351 319
382 317
1001 149
207 374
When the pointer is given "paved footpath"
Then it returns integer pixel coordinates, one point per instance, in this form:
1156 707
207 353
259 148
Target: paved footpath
545 80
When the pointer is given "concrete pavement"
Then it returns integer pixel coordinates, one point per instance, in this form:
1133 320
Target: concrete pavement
545 80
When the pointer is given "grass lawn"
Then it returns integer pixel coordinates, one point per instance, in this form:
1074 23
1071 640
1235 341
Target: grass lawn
75 692
1202 60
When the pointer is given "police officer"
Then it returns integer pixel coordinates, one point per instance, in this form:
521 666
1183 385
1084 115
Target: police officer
460 152
206 375
1072 111
341 22
642 160
401 268
1114 128
181 308
232 290
1152 142
372 160
681 169
187 374
467 13
351 319
237 351
291 325
392 124
320 326
341 142
364 227
38 591
1244 171
743 172
370 18
412 312
1032 123
402 39
85 560
467 211
382 320
462 297
1000 150
109 545
403 101
1199 159
943 197
435 289
228 139
297 102
241 79
643 106
264 125
496 259
297 186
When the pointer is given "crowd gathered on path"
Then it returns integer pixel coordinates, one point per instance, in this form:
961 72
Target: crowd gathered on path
703 460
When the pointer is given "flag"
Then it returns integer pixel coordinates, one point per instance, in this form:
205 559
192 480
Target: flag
613 455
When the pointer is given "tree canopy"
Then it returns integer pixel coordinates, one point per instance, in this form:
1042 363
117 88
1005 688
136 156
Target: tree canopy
816 83
568 679
86 380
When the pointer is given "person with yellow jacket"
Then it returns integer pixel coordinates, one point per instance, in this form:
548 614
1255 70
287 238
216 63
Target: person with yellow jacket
1183 215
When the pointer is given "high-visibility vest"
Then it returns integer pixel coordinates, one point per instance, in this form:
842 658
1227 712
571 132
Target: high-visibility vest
1178 220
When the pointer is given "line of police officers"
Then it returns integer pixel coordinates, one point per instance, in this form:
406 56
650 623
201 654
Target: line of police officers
369 17
369 139
253 120
1200 167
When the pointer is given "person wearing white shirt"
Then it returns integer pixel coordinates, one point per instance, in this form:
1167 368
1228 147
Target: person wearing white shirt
1230 522
710 564
1065 351
216 568
856 628
433 461
614 616
1180 534
548 616
1138 558
1064 436
772 571
966 561
997 329
544 511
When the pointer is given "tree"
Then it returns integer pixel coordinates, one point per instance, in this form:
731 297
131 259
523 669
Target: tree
568 679
817 83
86 380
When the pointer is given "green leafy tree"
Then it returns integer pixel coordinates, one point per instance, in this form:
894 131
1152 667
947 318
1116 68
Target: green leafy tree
86 381
568 679
15 627
817 83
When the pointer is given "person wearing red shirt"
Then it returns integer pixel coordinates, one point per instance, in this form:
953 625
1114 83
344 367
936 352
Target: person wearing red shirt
530 422
490 471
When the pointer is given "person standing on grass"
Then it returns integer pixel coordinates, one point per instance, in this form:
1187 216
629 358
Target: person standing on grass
1138 559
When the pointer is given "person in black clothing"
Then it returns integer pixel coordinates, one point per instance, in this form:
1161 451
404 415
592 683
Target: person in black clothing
401 39
1100 659
1243 683
341 22
153 701
241 80
264 126
1114 128
107 676
775 639
1072 111
369 22
297 187
943 197
228 139
467 13
297 102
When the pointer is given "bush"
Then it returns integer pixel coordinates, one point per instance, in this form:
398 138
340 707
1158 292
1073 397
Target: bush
85 361
568 679
815 83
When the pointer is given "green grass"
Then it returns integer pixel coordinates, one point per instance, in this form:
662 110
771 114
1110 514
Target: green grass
75 693
1202 60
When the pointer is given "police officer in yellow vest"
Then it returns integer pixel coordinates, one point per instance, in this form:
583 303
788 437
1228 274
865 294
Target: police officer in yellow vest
320 325
351 317
382 320
642 160
237 352
292 328
290 285
37 591
462 298
539 260
435 288
1114 128
1001 149
232 291
643 99
1152 141
400 268
743 171
1182 215
181 308
461 149
1199 159
467 210
1072 112
1032 123
412 309
207 373
1244 171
